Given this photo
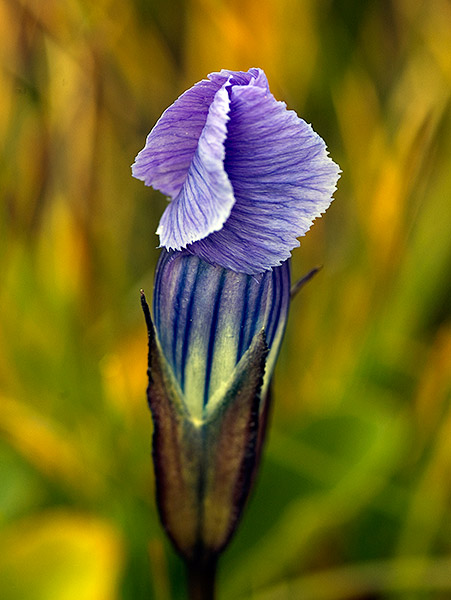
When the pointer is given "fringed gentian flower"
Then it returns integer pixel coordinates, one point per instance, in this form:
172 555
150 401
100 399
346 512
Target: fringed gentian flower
245 178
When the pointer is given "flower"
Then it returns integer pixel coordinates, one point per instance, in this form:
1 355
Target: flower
245 176
211 356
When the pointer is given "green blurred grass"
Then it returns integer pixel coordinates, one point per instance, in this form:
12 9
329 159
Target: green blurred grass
354 495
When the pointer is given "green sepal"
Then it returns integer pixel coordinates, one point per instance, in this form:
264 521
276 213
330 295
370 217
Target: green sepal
230 447
175 448
204 467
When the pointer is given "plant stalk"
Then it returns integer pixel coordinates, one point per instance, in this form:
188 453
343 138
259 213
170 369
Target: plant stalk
202 580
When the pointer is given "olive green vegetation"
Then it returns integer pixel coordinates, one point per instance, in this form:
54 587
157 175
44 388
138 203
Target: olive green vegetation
353 499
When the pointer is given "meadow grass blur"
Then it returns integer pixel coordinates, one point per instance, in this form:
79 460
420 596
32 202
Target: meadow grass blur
353 500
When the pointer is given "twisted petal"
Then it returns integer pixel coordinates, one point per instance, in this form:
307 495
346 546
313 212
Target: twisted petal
206 318
206 197
246 176
254 76
282 179
166 158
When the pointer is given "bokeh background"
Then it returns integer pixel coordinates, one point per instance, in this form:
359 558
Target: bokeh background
353 500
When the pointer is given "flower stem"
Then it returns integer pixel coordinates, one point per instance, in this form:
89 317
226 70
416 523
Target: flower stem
201 580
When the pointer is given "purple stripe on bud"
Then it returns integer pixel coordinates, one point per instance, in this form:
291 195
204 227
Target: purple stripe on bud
206 318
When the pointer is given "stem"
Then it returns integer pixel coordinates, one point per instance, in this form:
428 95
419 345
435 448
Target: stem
302 281
201 580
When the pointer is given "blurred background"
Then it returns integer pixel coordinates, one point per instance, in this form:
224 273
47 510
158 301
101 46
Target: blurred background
353 499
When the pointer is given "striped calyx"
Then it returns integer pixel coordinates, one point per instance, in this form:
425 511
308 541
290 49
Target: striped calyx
211 356
206 318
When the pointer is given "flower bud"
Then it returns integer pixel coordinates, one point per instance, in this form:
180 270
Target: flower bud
211 357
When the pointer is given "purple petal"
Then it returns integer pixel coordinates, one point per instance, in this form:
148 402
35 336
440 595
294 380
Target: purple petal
206 198
170 147
254 76
282 179
246 176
